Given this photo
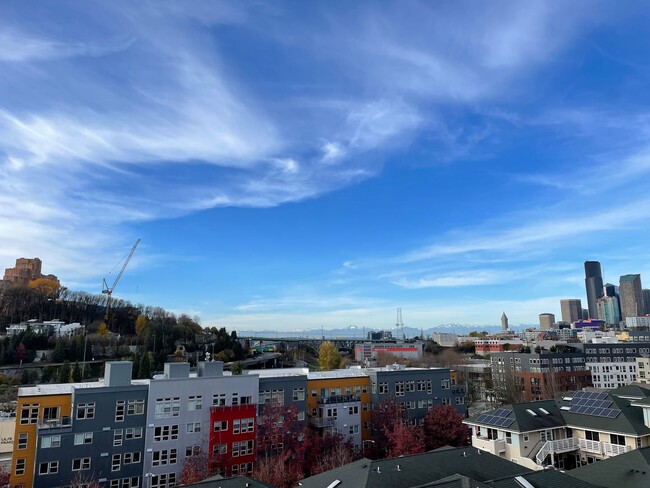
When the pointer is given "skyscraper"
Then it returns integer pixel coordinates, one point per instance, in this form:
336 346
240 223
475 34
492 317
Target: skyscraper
608 310
594 286
546 321
504 322
571 310
631 296
646 300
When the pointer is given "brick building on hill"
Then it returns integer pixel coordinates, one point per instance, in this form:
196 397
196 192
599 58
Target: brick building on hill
26 270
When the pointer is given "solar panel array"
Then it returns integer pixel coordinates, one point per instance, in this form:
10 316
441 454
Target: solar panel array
498 418
593 403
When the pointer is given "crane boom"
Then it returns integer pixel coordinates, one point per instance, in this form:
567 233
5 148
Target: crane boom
105 288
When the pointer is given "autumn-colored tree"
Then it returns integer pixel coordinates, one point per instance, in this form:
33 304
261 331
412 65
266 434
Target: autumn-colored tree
80 481
387 416
403 439
325 452
140 325
103 329
195 469
443 426
236 368
329 357
4 477
277 470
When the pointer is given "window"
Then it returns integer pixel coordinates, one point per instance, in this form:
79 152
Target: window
86 411
51 441
167 480
526 437
243 448
366 425
50 413
165 433
118 435
353 410
399 388
132 457
410 385
116 462
246 400
29 413
221 425
617 439
460 400
235 426
168 407
22 441
354 429
135 407
192 451
219 400
119 411
301 415
220 449
247 425
364 388
115 484
592 436
445 384
80 464
272 396
508 437
84 438
133 433
20 467
133 482
48 468
163 457
383 388
298 394
193 427
195 403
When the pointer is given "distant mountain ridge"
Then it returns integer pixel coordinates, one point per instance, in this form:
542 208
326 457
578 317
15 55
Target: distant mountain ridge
355 332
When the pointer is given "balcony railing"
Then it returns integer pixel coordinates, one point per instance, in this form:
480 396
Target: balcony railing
339 399
556 447
590 446
614 449
55 423
493 446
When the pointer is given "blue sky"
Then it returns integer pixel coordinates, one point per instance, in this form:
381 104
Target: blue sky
292 165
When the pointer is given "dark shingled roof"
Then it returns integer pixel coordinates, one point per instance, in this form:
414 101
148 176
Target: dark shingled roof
418 470
629 421
548 478
629 470
236 482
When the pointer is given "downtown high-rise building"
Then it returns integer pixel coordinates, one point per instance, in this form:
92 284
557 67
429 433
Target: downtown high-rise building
609 310
571 310
546 321
631 296
646 300
594 286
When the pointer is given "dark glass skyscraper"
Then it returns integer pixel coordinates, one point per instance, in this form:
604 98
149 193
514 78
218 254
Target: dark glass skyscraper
594 285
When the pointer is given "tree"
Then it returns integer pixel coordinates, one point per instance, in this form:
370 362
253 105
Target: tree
236 368
4 477
324 452
195 469
64 372
140 325
443 426
103 329
329 356
75 374
392 434
145 367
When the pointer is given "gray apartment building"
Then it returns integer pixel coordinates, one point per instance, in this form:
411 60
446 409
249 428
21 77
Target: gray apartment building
419 389
104 441
283 387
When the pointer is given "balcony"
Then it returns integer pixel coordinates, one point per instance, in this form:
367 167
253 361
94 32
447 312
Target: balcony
493 446
319 423
556 447
614 449
594 447
57 423
339 399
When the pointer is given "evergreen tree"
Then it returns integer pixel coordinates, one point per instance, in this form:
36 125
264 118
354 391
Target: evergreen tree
64 372
144 372
135 371
75 374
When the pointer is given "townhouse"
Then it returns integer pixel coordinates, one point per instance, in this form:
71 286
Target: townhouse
573 430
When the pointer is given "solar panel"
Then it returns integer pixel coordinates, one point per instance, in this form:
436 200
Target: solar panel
580 394
501 412
490 419
611 413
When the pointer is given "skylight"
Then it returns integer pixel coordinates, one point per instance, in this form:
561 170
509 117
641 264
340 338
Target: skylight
531 412
544 411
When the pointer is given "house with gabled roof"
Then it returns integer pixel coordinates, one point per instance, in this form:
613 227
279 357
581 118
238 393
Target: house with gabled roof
574 430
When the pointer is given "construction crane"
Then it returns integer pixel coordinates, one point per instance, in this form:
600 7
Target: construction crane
109 290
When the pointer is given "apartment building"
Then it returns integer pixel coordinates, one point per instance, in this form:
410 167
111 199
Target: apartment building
576 429
417 389
339 401
614 364
533 376
366 352
125 433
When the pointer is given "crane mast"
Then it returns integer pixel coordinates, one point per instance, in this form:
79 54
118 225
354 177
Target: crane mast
109 290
